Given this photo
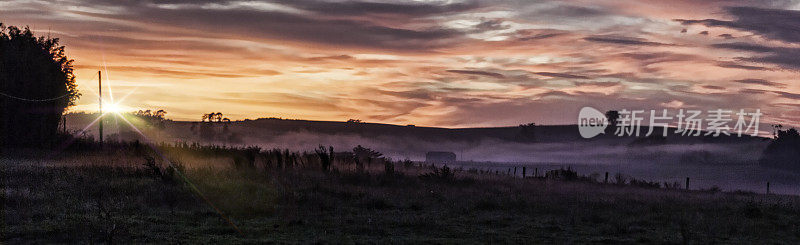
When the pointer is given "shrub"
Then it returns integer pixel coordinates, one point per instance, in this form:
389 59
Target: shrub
325 157
620 179
408 163
388 168
443 174
562 174
674 185
644 183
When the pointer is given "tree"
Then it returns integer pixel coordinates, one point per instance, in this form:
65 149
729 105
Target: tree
160 114
37 85
365 154
527 133
209 131
783 151
152 118
612 117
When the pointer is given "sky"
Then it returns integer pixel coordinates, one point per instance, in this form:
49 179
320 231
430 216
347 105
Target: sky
433 63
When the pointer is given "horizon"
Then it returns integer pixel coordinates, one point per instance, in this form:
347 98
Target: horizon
435 63
765 133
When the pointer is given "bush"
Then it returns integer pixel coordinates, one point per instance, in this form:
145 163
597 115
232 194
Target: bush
562 174
443 174
644 183
388 168
674 185
325 158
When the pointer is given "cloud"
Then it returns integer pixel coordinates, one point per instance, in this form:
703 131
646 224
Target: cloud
729 64
785 57
406 9
788 95
326 23
623 40
650 58
597 84
777 24
726 36
189 74
761 82
753 91
744 47
715 87
560 75
480 73
782 94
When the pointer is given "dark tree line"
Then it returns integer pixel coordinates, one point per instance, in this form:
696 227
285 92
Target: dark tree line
208 128
783 151
527 133
37 84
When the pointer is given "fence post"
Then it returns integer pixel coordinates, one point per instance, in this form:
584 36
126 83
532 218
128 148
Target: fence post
515 171
606 181
523 172
767 187
687 183
536 174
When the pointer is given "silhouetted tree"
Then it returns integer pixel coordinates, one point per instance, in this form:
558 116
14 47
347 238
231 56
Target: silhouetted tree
160 114
155 119
775 129
225 123
37 85
209 130
612 117
527 132
783 151
363 154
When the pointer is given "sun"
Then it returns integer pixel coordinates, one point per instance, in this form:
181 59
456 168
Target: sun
113 108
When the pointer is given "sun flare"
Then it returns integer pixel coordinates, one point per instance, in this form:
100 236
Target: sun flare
113 108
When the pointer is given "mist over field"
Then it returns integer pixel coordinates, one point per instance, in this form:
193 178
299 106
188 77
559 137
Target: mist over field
730 164
496 150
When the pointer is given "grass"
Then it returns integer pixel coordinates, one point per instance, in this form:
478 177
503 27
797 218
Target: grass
113 196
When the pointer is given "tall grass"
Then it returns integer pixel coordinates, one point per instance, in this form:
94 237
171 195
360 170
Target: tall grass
129 193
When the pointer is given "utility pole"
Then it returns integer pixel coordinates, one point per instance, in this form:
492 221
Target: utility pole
100 101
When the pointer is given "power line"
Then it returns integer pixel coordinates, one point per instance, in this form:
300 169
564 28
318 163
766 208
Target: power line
33 100
37 100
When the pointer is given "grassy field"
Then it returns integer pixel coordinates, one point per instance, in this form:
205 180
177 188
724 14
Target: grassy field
131 195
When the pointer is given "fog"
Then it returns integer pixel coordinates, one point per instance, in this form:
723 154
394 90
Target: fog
728 166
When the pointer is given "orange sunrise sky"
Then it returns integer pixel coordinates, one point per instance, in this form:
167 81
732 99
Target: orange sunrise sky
433 63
